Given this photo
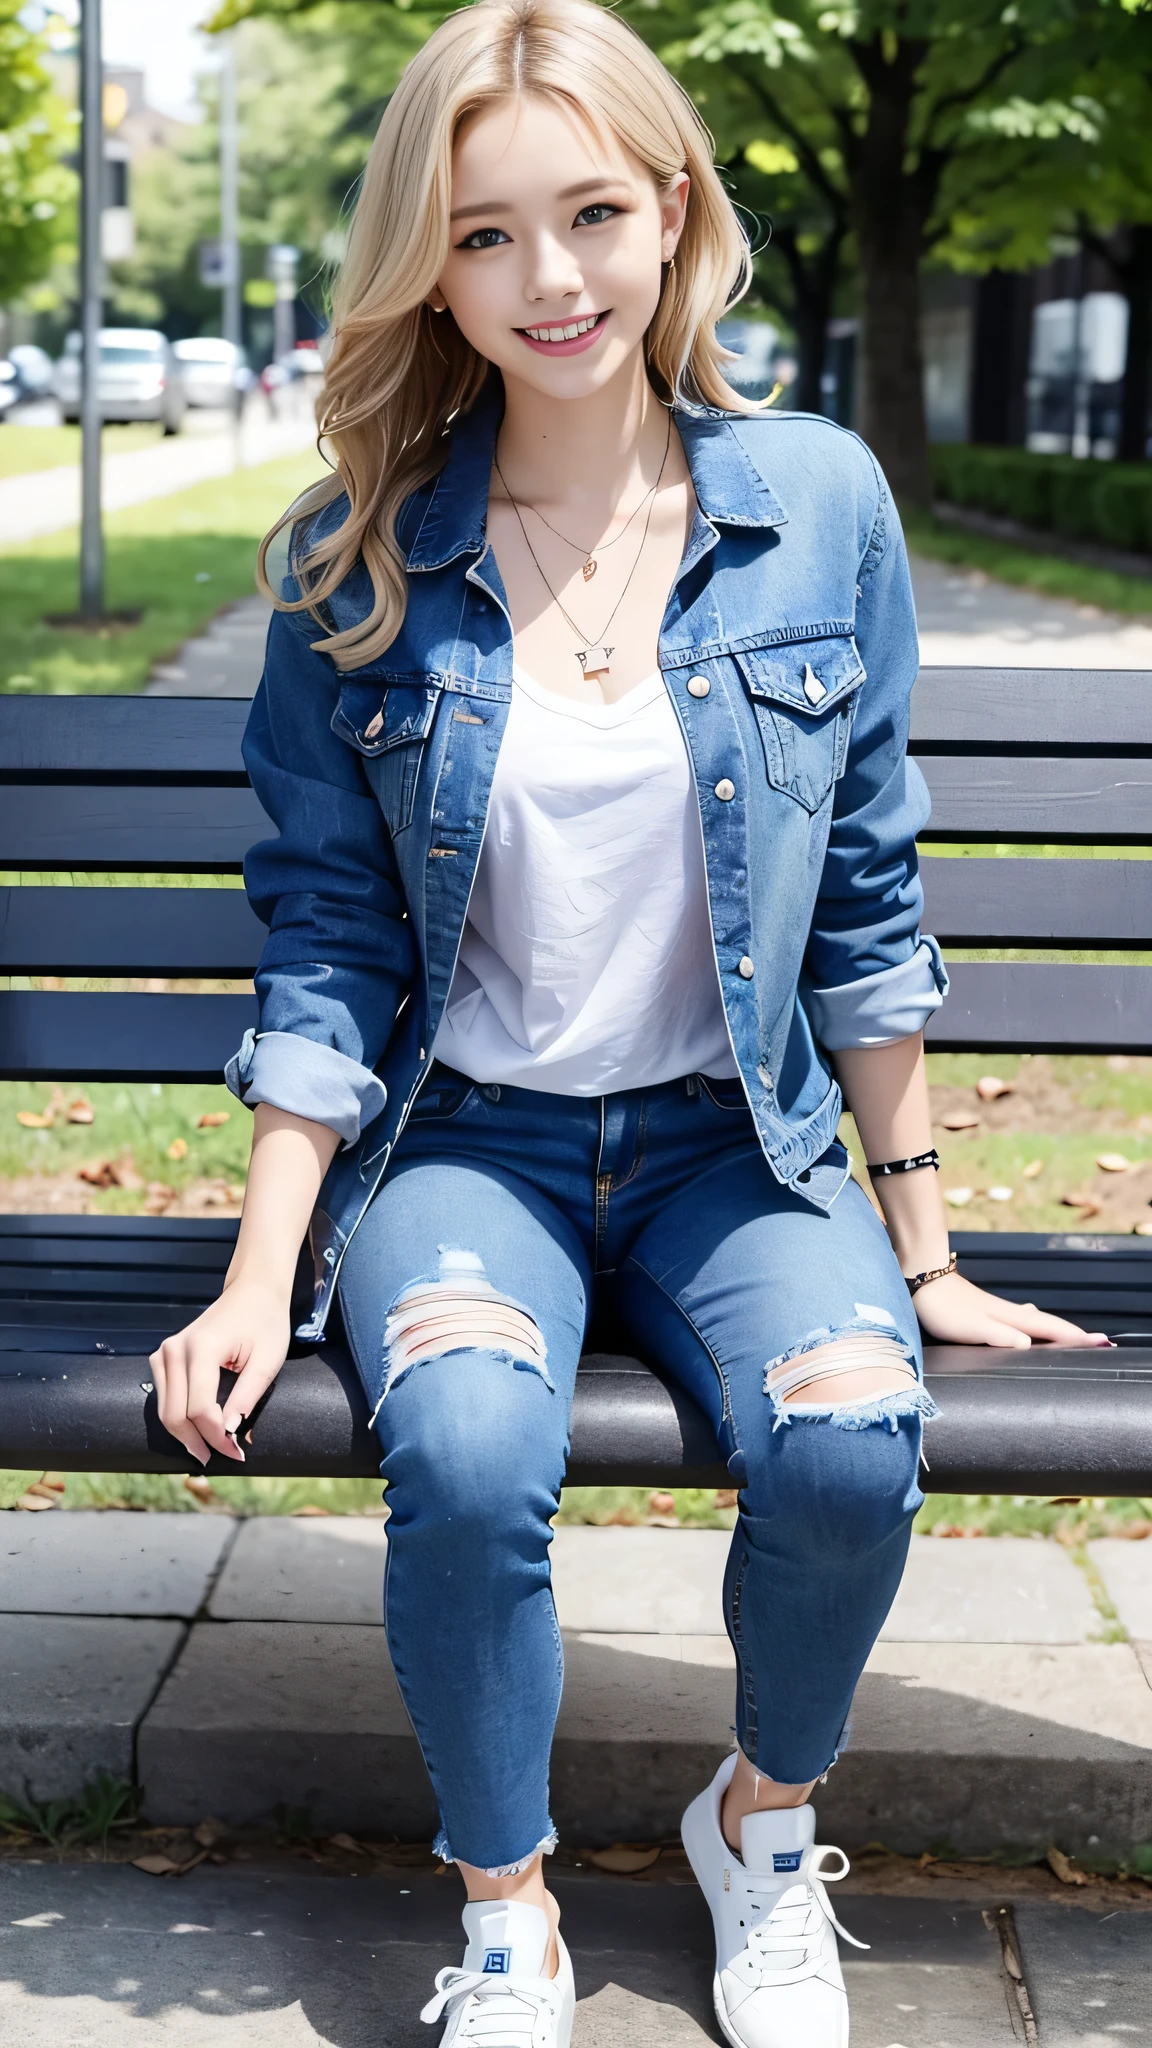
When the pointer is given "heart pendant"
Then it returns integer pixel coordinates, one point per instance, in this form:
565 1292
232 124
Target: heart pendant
589 570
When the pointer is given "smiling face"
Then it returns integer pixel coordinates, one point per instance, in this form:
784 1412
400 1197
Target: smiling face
557 239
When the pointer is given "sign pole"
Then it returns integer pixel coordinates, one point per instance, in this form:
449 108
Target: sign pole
230 219
91 308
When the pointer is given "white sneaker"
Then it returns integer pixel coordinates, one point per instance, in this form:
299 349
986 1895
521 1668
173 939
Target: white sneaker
778 1981
499 1998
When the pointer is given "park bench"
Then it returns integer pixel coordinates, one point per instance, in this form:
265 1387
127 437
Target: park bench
148 786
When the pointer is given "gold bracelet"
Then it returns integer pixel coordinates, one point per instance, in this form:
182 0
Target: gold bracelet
915 1281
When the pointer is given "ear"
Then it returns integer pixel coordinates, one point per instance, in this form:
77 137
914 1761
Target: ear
673 208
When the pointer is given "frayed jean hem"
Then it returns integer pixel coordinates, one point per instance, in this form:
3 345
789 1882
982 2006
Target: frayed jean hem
440 1848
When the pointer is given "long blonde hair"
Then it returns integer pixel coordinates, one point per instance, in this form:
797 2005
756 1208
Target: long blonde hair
391 387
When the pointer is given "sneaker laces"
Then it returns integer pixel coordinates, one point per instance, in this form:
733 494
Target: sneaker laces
493 2014
787 1944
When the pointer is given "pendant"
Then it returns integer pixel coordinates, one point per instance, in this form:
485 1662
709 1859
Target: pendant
590 568
594 662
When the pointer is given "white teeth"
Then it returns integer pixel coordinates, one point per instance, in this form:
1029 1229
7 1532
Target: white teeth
569 333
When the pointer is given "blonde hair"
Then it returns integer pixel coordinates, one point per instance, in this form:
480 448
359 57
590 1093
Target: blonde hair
392 386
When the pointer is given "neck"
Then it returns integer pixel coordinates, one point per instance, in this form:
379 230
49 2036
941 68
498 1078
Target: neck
586 453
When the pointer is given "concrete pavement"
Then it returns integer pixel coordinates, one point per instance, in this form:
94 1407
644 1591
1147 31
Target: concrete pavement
994 1709
48 500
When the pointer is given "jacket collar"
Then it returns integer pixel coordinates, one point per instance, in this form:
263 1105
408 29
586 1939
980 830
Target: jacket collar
450 519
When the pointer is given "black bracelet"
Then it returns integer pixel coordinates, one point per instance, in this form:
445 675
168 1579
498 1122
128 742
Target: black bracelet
931 1158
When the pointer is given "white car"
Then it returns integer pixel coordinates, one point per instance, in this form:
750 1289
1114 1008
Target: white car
213 371
139 378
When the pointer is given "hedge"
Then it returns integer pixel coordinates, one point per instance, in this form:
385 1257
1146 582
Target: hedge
1108 502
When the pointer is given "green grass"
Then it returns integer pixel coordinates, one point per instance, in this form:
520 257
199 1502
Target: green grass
137 1120
177 560
24 450
1049 575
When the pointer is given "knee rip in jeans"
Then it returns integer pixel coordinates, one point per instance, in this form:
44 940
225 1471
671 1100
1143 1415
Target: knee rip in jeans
854 1377
458 1310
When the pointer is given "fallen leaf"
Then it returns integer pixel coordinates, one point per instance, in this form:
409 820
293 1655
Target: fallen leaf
957 1198
178 1149
622 1858
35 1503
32 1121
311 1510
198 1486
80 1111
1112 1162
346 1843
48 1490
1000 1194
1142 1230
1033 1170
105 1175
212 1119
155 1866
661 1503
725 1497
1135 1532
1088 1205
1063 1866
961 1120
208 1832
990 1088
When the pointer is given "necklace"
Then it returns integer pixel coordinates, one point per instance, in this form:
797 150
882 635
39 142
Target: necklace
590 562
594 661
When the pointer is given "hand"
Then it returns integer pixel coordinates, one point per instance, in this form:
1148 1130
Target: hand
953 1311
247 1331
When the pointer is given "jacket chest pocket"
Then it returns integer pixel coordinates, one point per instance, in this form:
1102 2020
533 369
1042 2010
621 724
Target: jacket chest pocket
388 724
804 696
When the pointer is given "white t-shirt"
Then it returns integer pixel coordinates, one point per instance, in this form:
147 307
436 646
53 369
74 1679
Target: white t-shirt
587 963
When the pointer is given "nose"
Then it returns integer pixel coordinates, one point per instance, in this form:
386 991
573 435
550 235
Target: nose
553 272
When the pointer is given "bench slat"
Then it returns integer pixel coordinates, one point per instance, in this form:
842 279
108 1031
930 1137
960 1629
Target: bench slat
119 737
120 1037
988 708
150 828
1096 904
1044 1006
1038 798
169 932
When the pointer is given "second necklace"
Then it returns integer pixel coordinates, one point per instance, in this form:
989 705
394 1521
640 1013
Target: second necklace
595 661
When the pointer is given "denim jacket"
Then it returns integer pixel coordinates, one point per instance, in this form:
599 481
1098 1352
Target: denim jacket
793 604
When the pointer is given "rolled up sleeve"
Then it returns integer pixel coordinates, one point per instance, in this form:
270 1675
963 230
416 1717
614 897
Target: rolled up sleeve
339 956
871 976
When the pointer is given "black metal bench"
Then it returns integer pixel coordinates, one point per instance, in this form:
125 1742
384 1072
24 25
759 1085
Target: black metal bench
146 786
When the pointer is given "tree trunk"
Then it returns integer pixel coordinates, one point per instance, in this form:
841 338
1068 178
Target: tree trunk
1136 282
890 208
811 324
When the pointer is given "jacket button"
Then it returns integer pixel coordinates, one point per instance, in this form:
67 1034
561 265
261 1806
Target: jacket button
746 967
725 790
698 686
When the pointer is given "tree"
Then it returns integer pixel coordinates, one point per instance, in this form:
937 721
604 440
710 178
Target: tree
908 115
35 185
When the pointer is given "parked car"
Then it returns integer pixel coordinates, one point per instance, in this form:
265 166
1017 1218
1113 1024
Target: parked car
34 370
139 378
213 371
9 386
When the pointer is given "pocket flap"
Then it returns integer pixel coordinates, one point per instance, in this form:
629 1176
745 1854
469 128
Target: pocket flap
373 717
812 676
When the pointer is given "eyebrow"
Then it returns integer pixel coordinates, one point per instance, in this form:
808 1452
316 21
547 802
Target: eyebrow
505 205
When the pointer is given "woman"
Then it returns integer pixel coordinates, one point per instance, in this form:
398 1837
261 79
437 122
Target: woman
583 725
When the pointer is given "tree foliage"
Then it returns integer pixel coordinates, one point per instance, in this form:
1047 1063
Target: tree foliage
35 186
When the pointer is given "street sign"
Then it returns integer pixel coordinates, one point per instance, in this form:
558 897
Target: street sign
217 265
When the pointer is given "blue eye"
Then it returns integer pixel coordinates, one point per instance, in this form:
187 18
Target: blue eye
484 238
595 215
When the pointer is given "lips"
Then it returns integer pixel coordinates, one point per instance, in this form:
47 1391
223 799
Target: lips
564 338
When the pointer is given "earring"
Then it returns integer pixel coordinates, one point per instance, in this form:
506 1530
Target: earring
435 309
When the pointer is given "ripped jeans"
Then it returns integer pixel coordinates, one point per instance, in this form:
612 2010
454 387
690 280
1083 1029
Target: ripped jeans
466 1294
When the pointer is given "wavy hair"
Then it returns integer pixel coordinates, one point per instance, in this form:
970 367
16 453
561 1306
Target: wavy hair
392 387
